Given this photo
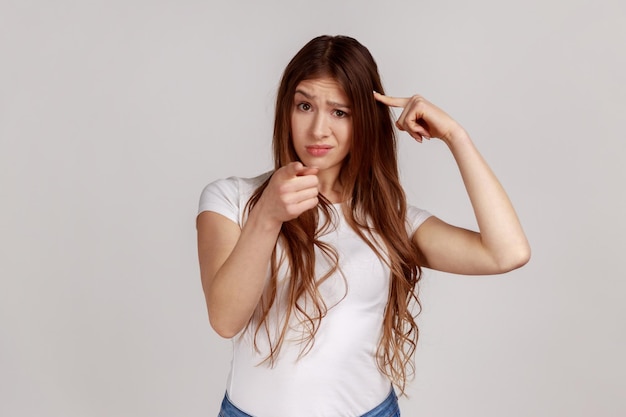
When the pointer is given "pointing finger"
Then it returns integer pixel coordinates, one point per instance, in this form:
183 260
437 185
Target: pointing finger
391 101
307 171
293 168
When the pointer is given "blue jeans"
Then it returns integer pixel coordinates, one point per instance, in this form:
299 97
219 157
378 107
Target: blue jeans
388 408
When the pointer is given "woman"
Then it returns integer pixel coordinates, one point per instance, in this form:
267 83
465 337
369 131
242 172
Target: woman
312 268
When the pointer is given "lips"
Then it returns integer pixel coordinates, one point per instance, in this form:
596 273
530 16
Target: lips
318 150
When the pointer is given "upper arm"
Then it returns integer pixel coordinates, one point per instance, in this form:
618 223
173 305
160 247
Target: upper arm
217 236
448 248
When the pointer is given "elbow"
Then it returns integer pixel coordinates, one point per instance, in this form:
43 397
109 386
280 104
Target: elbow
223 327
225 333
220 320
514 259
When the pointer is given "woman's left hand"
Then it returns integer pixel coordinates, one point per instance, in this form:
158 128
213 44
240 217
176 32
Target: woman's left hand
500 245
422 119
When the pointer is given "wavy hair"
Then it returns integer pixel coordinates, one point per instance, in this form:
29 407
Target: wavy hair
375 207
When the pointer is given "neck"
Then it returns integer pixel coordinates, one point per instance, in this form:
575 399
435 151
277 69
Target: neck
330 186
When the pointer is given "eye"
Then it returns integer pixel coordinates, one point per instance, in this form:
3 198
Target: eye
304 106
340 114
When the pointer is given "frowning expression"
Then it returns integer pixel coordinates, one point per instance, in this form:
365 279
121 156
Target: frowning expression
321 125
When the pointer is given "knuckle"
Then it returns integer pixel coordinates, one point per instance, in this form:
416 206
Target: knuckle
292 211
283 188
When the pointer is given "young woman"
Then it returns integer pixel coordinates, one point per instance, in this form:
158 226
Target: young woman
312 268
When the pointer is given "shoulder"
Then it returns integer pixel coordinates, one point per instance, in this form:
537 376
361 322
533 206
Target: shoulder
415 216
247 186
228 196
233 186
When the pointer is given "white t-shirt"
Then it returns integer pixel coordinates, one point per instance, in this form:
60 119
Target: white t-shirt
339 375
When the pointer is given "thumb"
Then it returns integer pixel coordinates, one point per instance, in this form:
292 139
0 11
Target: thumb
293 168
307 171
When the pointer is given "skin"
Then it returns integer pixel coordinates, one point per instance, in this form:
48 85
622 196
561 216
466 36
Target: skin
321 118
234 261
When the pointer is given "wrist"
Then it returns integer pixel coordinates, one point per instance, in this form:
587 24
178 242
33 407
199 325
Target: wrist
262 219
456 136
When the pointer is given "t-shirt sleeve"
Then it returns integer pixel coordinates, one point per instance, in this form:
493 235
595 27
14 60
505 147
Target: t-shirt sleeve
222 197
415 217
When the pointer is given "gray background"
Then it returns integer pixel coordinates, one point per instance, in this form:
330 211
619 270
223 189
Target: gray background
115 114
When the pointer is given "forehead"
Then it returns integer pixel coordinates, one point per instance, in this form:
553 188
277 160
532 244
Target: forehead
323 87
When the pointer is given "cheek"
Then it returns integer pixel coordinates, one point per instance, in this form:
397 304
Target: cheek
346 135
296 133
297 127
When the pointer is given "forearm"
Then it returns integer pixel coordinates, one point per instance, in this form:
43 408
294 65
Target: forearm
234 262
238 284
501 233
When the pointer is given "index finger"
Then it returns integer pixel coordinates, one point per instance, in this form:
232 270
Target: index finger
307 171
391 101
293 168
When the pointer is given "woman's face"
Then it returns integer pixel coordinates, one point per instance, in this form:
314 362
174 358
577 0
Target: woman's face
321 125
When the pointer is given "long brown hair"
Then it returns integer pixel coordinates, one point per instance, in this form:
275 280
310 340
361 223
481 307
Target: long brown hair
375 206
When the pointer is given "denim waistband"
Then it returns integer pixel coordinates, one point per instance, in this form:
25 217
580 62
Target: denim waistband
388 408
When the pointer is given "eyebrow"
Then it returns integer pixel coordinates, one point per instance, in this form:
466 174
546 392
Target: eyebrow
329 102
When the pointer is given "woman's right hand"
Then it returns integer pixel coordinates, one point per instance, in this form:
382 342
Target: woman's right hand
234 260
292 190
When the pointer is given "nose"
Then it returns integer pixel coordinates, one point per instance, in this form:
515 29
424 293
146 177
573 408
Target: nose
321 126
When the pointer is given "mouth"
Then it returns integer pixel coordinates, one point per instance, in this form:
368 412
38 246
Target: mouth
318 150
